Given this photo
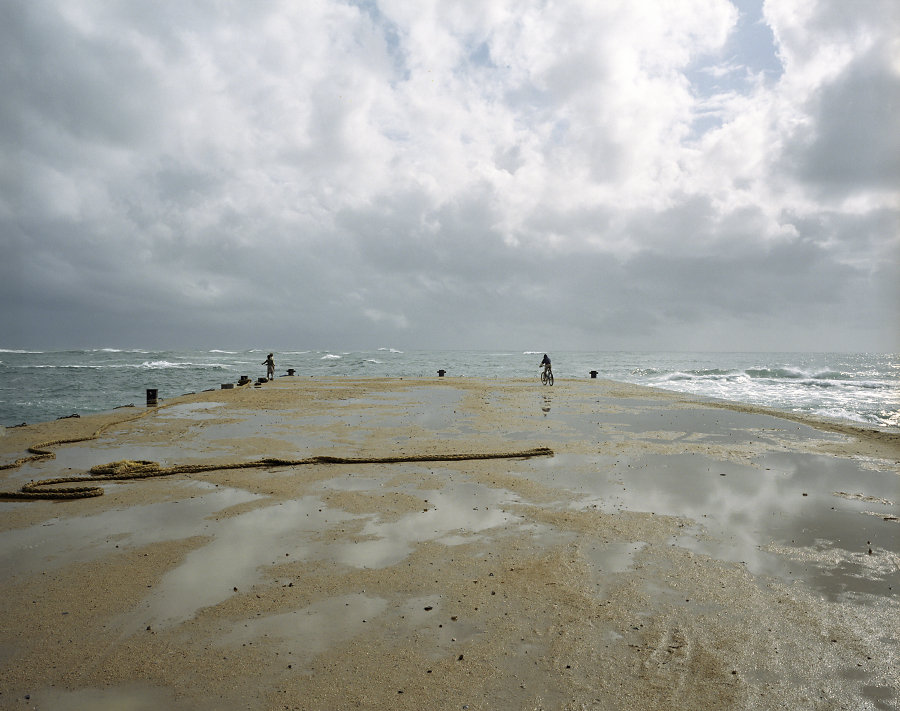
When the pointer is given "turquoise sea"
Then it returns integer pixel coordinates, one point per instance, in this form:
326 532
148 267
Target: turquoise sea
862 388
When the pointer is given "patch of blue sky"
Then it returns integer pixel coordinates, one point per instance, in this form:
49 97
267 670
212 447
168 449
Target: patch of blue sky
748 59
480 56
391 35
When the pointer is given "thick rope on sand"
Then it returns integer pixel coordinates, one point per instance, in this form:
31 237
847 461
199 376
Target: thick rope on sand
128 469
39 452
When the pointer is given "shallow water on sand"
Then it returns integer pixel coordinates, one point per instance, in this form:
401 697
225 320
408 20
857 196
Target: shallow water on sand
782 516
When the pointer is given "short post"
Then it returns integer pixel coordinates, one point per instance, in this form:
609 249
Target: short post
291 371
244 380
593 373
227 386
151 397
441 373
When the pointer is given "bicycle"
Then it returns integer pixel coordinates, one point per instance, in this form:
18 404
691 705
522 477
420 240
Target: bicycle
547 376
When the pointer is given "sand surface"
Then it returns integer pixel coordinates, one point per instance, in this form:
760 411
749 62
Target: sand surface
672 553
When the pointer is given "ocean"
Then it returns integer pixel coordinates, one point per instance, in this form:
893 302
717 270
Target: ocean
860 388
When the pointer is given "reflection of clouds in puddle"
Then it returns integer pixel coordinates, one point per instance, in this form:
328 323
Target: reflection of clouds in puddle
62 541
291 531
615 557
241 546
463 510
303 634
312 630
747 511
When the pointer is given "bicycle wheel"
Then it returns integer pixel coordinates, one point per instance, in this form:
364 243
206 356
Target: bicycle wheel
543 377
550 378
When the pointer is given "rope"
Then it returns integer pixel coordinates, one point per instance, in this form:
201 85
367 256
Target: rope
40 452
128 469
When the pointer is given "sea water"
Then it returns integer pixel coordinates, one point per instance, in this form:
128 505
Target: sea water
860 388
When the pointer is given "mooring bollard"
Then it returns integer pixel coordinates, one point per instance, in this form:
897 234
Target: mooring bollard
291 371
441 373
151 397
593 373
244 380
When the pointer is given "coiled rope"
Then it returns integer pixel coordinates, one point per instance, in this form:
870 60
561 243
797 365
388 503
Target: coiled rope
129 469
40 452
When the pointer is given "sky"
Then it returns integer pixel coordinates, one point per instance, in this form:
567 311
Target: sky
534 174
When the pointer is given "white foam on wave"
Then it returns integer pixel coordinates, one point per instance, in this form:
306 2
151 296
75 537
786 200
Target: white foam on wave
162 364
330 356
117 350
154 364
75 366
826 393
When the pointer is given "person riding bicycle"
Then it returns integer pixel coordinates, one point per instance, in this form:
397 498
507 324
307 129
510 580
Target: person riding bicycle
545 362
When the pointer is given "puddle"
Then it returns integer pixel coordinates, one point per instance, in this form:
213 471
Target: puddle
301 635
75 459
304 634
840 545
63 541
615 557
717 425
191 411
455 515
780 518
242 546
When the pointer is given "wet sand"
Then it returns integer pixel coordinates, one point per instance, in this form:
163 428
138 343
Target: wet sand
673 553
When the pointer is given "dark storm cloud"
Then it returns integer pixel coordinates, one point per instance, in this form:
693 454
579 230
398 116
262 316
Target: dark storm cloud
854 145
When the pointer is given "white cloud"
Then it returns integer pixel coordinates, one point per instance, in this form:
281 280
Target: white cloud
423 168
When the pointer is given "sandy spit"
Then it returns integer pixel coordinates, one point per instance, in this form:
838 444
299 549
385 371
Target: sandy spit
672 553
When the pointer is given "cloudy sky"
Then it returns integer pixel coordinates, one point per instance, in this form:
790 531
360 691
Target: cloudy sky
550 174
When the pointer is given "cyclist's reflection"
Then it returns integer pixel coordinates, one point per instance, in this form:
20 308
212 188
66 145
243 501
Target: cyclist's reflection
546 406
